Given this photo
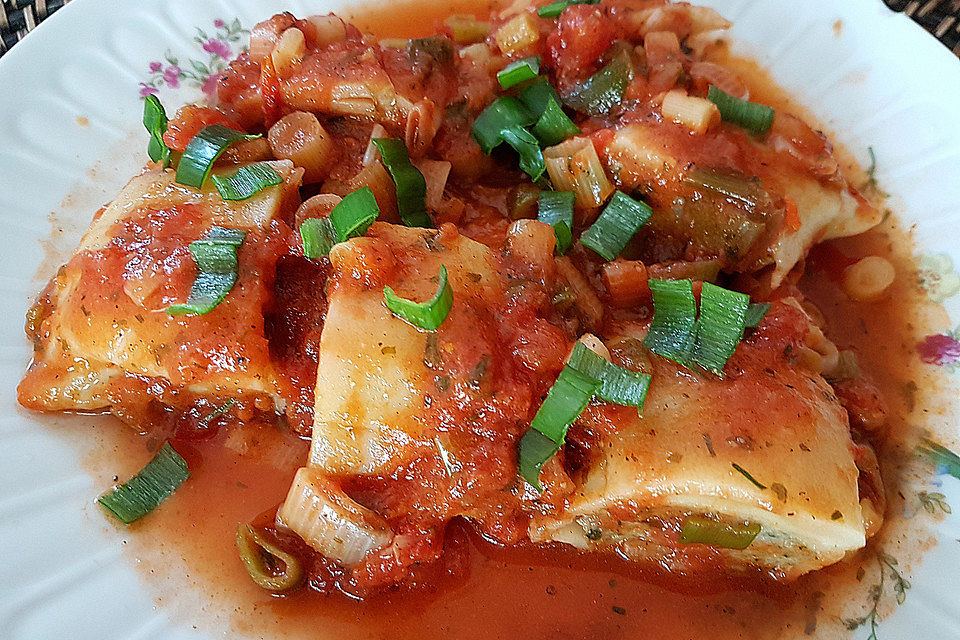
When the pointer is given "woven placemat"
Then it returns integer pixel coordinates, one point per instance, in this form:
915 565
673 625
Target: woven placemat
939 17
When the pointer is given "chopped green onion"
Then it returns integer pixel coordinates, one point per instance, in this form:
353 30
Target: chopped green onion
216 258
939 454
556 209
411 186
709 341
318 237
617 385
270 566
246 181
426 315
155 120
350 218
519 71
554 126
555 8
537 96
604 90
144 492
747 475
720 327
534 451
756 118
698 530
565 401
353 215
618 222
672 333
203 150
503 114
527 147
755 313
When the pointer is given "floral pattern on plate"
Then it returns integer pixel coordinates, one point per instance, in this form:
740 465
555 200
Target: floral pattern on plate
198 72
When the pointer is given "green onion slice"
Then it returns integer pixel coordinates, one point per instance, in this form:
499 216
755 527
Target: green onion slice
699 530
941 456
353 215
155 121
723 315
672 333
617 385
216 258
565 401
426 315
503 114
755 313
318 236
534 452
537 95
618 222
268 565
709 341
604 90
246 181
554 126
556 209
519 71
203 150
555 8
144 492
411 186
527 147
756 118
350 218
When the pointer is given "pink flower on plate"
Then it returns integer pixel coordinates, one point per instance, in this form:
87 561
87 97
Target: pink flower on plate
172 76
940 349
209 86
217 48
147 90
218 23
155 66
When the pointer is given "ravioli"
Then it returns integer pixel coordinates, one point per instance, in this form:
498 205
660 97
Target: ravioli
768 444
748 223
377 374
103 316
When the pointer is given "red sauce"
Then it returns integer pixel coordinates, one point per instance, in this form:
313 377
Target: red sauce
481 590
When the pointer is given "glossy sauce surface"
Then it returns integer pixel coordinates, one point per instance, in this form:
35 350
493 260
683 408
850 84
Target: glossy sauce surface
484 591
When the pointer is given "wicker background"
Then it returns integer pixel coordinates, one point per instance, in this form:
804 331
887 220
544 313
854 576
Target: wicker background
939 17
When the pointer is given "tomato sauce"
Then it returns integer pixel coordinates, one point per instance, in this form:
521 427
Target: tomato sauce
480 589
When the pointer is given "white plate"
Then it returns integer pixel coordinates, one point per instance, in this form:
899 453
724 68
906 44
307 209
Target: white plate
69 124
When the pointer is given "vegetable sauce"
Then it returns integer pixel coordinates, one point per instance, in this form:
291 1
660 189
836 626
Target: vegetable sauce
240 474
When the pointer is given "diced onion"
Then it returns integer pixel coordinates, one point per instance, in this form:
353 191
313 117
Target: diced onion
588 305
467 29
696 114
518 33
330 29
289 50
574 165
